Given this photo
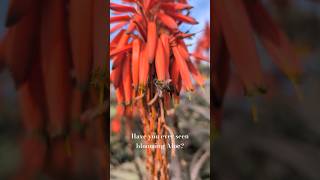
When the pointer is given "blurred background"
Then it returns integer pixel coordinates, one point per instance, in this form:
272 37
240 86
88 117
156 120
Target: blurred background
78 149
284 142
10 125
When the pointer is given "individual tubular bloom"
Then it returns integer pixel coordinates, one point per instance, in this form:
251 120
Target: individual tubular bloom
151 64
235 24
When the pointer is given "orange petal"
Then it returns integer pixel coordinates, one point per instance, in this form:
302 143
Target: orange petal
183 49
135 61
114 42
121 8
183 18
146 4
117 62
199 56
166 46
141 26
175 74
116 74
118 26
32 101
56 70
116 125
80 23
240 40
131 27
275 41
121 45
143 68
120 50
195 73
167 21
183 68
123 40
127 80
114 19
220 71
160 61
151 41
120 95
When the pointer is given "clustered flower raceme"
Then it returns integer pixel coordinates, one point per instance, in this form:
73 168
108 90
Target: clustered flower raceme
151 65
236 22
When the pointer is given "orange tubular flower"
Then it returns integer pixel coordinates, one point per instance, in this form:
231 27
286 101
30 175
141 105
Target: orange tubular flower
127 81
135 62
149 57
160 61
144 68
235 24
151 41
